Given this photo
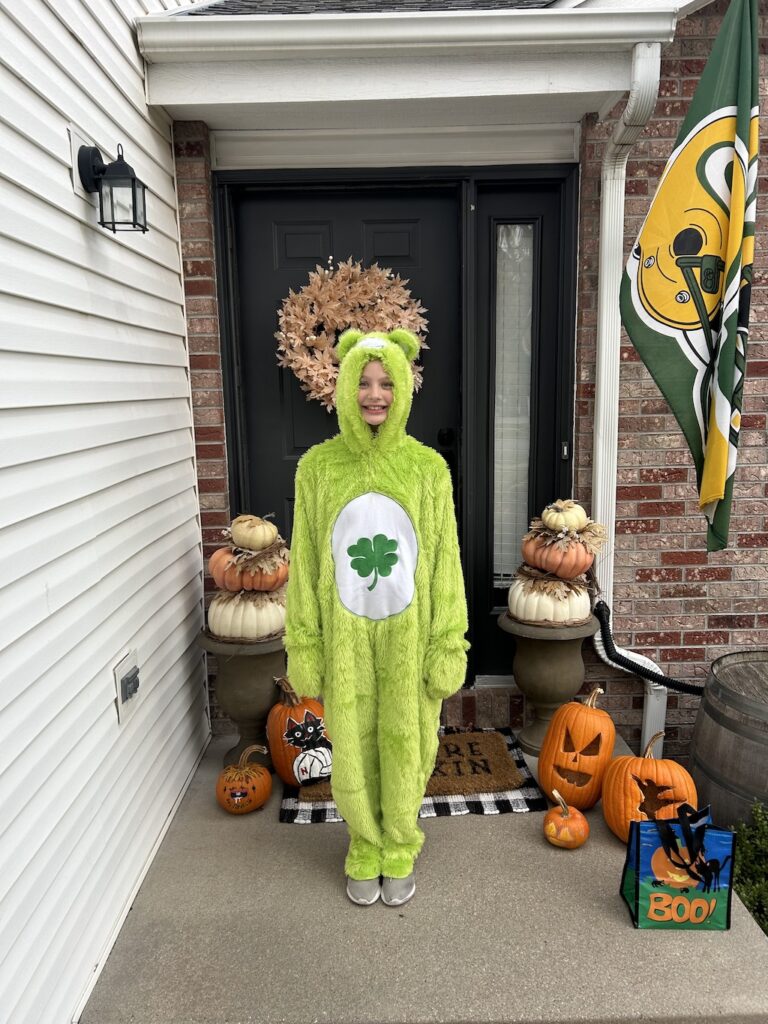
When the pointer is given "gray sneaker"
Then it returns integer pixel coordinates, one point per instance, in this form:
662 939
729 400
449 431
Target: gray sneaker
396 891
364 892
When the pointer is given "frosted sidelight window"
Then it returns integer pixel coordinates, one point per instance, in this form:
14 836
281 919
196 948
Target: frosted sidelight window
512 404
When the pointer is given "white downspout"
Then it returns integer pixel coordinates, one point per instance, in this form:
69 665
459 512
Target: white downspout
644 90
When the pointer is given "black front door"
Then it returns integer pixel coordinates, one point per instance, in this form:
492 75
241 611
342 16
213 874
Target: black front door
281 235
491 255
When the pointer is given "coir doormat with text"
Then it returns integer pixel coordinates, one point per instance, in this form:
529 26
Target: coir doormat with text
476 772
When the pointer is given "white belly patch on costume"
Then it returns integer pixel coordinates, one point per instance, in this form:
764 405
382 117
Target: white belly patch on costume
375 551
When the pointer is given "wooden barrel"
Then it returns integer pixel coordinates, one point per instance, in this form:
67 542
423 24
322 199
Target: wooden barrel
729 749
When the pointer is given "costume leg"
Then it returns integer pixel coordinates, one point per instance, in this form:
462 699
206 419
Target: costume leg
352 726
408 723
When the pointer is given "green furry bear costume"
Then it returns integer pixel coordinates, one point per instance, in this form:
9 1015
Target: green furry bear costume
376 608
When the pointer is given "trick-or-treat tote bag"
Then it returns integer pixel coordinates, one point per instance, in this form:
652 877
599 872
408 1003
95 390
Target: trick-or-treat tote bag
679 873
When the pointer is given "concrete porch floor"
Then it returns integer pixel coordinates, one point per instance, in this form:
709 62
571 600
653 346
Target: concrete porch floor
245 921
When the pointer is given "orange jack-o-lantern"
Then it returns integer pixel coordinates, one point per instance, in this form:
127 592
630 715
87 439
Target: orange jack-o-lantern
576 751
244 787
564 826
643 789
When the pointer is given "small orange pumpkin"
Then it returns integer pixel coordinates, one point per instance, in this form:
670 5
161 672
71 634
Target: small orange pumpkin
229 576
564 559
576 751
300 747
244 787
644 788
565 826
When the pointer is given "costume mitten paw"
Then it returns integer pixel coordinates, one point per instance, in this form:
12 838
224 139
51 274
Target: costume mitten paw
445 669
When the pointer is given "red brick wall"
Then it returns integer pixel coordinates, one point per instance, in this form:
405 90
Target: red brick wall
193 176
672 601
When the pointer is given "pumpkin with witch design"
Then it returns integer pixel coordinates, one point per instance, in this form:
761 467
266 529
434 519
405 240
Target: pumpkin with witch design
645 788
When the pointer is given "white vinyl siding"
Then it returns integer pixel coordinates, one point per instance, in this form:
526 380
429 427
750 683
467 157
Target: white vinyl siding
100 545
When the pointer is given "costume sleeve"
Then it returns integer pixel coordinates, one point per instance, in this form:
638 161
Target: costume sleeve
445 664
303 633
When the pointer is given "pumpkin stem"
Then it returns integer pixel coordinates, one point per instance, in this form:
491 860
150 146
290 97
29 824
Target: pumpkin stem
563 804
256 748
591 701
288 695
648 752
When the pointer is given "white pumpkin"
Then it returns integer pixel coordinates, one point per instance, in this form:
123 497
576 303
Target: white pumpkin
249 615
533 602
252 533
564 514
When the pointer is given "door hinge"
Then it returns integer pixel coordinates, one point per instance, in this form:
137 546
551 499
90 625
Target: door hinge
565 451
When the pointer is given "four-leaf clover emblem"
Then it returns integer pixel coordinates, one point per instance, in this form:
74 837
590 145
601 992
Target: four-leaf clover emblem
375 556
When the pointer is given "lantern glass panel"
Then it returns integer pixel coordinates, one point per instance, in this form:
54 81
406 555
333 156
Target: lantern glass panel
141 208
117 203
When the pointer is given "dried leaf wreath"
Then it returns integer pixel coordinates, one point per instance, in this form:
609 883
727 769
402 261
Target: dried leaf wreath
370 299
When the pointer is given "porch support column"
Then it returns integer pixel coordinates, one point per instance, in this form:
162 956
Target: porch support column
646 67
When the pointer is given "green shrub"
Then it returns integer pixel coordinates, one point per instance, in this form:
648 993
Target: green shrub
750 877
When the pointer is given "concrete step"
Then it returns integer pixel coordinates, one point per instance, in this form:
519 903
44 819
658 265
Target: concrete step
243 920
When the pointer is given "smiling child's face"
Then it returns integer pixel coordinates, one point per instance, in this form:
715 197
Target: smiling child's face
375 393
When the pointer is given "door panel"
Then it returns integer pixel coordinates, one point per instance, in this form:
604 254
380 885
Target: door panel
280 236
491 253
523 366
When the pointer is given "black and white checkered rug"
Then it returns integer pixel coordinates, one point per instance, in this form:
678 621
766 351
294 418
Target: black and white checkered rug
528 797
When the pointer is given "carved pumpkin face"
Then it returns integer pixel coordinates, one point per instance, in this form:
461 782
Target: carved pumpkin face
576 751
244 787
578 767
564 826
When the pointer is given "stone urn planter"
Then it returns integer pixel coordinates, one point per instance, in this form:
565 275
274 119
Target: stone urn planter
548 668
245 687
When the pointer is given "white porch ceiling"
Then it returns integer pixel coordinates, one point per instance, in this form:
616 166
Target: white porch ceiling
486 85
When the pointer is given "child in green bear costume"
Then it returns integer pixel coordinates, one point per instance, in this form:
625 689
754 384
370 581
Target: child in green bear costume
376 608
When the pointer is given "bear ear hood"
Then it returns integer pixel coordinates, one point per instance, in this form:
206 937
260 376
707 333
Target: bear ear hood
395 351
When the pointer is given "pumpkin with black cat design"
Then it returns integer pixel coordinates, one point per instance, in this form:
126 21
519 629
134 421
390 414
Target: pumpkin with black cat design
376 611
298 743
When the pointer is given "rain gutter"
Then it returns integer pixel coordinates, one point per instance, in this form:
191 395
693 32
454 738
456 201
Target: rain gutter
174 37
646 66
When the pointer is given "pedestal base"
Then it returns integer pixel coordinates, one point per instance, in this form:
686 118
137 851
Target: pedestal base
245 688
548 668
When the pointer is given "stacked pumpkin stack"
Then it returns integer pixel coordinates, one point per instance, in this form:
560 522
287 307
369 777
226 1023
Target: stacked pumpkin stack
550 588
252 572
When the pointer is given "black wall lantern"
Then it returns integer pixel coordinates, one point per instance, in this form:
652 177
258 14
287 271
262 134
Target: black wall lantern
122 203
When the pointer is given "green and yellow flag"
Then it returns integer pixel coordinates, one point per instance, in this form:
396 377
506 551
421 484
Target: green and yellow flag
685 292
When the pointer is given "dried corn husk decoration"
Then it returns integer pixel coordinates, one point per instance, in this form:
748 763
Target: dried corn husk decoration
268 559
